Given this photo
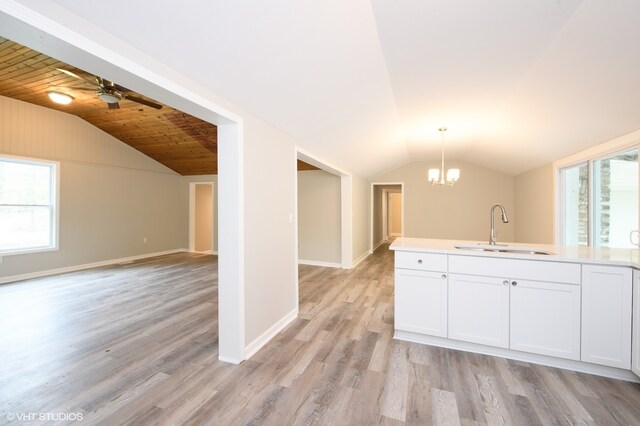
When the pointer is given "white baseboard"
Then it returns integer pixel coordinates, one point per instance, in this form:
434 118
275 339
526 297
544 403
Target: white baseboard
319 263
377 245
205 252
567 364
56 271
265 337
230 360
360 259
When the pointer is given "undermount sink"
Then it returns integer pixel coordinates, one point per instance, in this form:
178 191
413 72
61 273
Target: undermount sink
500 248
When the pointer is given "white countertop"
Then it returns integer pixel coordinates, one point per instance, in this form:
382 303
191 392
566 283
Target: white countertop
595 255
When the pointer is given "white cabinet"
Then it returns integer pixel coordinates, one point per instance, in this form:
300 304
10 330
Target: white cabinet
635 351
545 318
479 309
421 302
539 314
606 315
421 261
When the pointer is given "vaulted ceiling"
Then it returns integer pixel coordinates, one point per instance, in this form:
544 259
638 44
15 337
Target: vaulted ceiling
180 141
368 82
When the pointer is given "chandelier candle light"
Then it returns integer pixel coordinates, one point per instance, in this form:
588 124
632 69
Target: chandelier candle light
437 176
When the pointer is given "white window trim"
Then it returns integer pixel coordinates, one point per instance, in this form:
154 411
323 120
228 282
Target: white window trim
619 145
55 215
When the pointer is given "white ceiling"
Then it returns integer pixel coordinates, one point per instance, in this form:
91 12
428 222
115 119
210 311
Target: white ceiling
367 83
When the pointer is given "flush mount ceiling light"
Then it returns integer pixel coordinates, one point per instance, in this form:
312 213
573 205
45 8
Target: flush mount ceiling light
59 97
109 97
437 176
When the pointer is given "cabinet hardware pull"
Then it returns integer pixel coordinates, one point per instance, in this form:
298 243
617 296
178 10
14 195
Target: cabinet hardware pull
505 282
444 275
514 283
419 260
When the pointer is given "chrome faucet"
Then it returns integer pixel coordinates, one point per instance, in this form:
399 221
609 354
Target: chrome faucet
505 219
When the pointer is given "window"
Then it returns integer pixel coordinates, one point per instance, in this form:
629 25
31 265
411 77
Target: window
599 201
575 221
28 217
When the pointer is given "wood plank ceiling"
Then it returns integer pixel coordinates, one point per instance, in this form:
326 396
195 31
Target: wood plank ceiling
178 140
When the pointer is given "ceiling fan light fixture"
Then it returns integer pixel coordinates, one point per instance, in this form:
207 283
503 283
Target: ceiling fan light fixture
109 98
59 97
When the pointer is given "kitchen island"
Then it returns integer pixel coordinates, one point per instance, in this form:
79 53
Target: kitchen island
569 308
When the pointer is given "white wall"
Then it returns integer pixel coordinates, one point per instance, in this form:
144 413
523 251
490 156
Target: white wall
534 206
453 212
319 215
111 196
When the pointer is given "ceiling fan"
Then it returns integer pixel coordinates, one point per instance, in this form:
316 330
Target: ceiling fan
108 91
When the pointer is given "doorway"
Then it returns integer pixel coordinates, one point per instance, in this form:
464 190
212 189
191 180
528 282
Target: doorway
33 29
387 213
394 214
202 226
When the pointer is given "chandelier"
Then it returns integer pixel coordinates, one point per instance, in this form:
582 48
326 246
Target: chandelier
438 176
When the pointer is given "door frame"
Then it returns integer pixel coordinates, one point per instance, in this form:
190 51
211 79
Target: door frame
109 57
192 216
385 202
346 211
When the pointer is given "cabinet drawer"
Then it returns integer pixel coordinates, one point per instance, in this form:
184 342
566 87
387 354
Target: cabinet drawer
543 270
421 261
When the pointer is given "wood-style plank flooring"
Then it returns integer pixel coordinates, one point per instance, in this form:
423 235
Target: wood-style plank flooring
136 344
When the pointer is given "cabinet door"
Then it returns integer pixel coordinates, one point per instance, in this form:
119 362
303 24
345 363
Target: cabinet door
545 318
635 351
421 302
606 315
479 309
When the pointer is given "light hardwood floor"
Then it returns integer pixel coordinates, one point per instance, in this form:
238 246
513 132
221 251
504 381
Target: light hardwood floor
136 344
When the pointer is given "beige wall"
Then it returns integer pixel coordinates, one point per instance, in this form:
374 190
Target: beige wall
111 196
534 206
377 231
396 213
269 199
203 226
453 212
319 217
361 214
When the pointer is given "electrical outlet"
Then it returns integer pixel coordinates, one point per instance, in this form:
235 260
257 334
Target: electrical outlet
144 240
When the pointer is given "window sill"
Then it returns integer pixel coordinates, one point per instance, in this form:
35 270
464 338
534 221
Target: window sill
28 251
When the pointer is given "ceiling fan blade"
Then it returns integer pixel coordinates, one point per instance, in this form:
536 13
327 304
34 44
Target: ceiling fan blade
79 88
114 105
74 75
120 88
142 101
84 89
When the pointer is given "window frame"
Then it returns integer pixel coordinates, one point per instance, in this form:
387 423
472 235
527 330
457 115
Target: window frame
54 190
588 157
